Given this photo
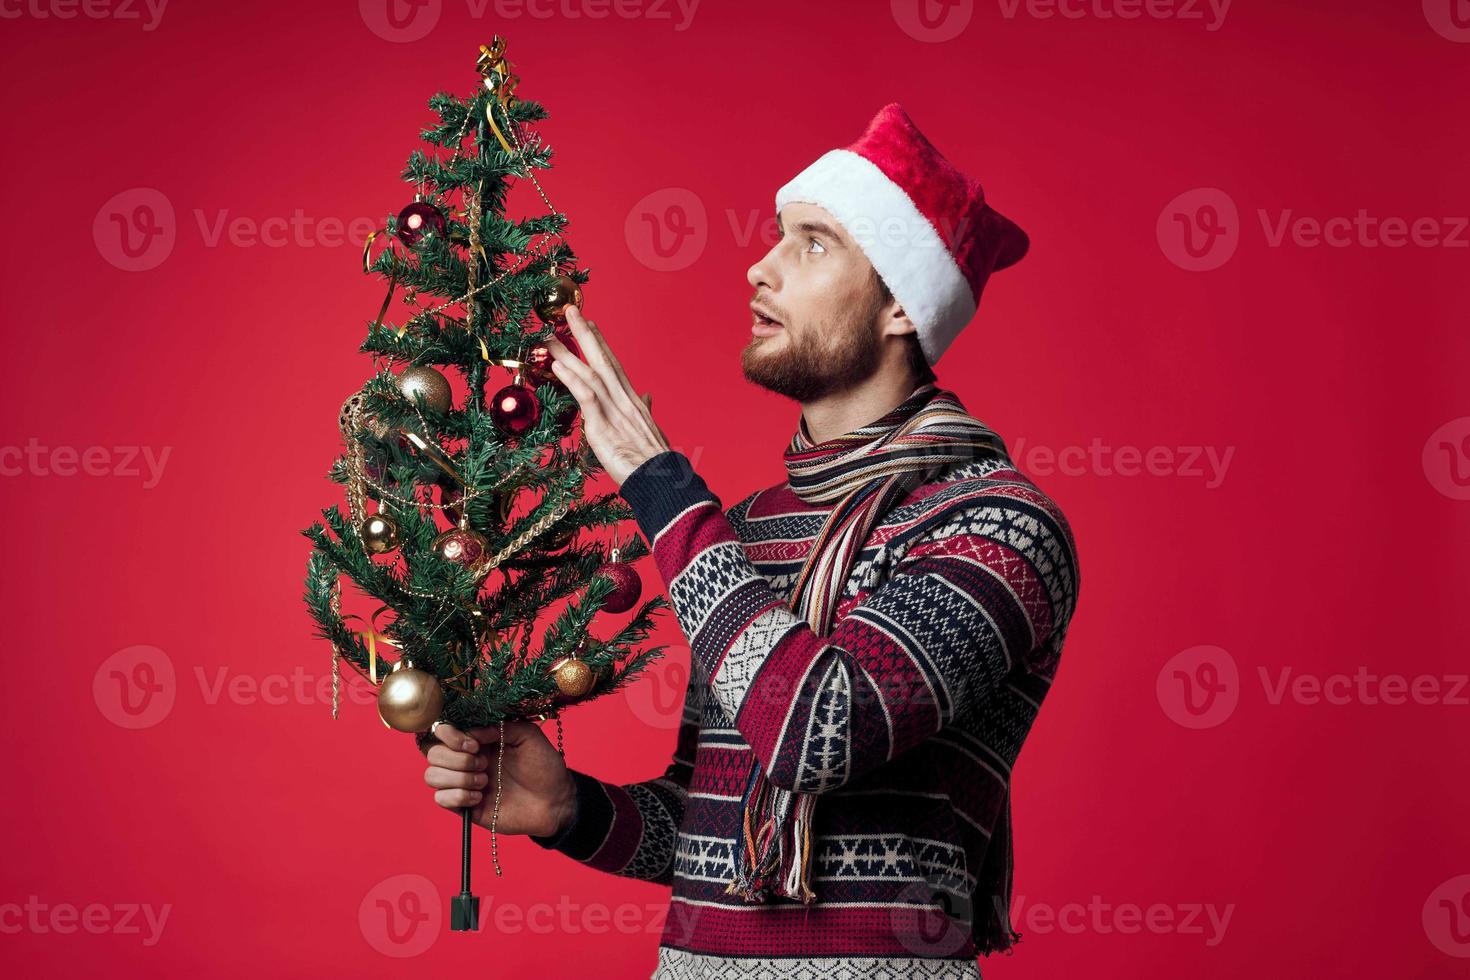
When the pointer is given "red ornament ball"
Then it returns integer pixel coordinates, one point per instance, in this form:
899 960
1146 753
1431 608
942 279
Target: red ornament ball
563 333
417 220
538 359
627 586
515 408
538 362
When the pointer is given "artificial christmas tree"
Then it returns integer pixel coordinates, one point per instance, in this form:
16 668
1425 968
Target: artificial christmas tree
482 528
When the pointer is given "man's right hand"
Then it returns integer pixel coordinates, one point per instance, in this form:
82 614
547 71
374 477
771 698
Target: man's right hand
537 794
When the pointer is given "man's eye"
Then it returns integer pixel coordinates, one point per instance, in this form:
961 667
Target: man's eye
818 245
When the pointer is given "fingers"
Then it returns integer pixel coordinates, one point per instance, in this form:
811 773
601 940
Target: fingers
565 364
581 381
448 735
601 358
444 756
594 348
458 799
440 777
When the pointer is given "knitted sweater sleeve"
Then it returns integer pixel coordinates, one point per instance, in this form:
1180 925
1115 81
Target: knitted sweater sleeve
991 586
629 829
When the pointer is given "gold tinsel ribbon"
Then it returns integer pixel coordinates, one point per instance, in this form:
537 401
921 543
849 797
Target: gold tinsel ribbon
392 279
373 635
492 62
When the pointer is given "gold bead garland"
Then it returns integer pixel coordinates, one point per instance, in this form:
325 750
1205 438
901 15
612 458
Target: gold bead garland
334 603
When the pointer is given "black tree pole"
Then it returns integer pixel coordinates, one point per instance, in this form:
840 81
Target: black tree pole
465 907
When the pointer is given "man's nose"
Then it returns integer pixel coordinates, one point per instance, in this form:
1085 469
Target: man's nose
763 272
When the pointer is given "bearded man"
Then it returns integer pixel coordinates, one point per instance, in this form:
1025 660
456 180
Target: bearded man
871 639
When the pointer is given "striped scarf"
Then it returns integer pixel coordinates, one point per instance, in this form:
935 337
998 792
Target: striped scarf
863 473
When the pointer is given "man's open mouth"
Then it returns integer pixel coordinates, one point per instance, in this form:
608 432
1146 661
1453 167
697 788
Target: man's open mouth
763 325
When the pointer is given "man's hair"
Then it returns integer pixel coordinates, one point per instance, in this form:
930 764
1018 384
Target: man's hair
918 363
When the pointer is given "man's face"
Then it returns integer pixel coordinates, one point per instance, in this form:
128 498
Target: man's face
823 300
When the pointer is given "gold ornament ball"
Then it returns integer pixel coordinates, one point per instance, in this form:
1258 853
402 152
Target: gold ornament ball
564 292
409 699
379 533
429 383
573 677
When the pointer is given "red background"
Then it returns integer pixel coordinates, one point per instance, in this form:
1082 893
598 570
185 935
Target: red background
1333 833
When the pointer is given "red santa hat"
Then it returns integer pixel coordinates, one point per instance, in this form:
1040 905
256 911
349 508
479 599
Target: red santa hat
924 226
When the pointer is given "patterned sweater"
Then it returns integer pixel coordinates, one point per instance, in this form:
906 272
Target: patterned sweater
906 719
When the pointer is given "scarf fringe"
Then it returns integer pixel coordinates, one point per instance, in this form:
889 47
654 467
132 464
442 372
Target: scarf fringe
775 856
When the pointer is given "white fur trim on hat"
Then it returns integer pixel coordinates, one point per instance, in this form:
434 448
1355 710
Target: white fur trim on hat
903 246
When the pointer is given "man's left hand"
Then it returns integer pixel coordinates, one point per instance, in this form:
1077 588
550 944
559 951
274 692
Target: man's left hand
617 423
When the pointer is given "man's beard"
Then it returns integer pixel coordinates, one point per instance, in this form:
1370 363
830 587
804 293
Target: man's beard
816 361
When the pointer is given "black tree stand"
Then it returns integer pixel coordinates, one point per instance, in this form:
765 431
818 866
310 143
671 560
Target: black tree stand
464 908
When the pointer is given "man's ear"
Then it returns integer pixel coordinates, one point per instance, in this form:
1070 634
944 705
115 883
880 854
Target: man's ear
893 321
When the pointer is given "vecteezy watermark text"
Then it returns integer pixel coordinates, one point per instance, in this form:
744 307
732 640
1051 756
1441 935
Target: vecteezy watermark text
1201 229
1210 12
1201 687
65 918
126 462
1125 918
404 23
148 12
1097 458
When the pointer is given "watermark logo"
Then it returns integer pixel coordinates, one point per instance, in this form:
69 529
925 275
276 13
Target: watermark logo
400 21
1363 687
667 230
1103 918
135 230
1199 687
1097 458
680 12
933 917
932 21
406 21
1447 917
657 699
40 918
401 916
1450 19
1446 459
135 687
148 13
300 230
1211 13
1362 230
1199 230
124 462
569 917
